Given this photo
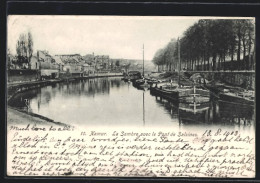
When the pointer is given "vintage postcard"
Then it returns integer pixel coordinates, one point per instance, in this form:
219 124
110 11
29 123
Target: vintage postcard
130 96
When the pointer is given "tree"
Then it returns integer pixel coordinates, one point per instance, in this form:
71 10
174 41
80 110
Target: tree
21 45
117 63
158 58
212 41
248 41
238 27
170 58
24 48
30 48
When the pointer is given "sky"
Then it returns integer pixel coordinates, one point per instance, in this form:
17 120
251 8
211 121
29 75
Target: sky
116 36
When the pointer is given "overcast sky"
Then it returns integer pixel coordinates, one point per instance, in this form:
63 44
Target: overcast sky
116 36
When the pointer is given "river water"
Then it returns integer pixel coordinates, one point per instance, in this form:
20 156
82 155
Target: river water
110 102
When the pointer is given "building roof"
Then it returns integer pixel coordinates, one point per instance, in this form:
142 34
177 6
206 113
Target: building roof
43 54
68 55
88 58
58 60
102 56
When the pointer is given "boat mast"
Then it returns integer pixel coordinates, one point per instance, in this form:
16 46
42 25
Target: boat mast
179 59
143 110
143 92
143 60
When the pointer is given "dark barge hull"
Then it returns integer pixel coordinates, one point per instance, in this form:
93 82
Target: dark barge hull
235 99
172 95
137 83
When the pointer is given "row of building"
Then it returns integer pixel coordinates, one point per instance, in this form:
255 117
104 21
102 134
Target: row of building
64 65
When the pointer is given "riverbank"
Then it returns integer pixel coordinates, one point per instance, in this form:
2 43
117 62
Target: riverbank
16 117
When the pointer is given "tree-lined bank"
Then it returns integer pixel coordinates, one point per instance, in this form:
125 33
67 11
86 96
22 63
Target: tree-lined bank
211 45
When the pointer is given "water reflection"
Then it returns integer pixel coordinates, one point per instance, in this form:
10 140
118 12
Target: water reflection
111 101
89 87
213 112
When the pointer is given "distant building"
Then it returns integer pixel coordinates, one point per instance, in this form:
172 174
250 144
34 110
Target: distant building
35 63
59 62
73 68
44 56
49 68
89 58
88 69
102 62
70 57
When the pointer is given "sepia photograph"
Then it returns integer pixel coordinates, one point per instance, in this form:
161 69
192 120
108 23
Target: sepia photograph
130 96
